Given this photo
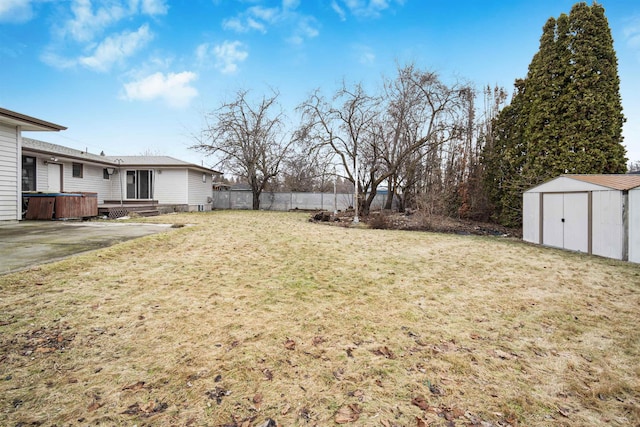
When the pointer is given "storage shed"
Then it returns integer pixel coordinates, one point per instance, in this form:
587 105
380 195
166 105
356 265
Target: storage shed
595 214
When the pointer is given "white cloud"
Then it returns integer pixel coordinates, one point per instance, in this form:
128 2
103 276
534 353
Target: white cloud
92 18
174 88
364 54
116 48
337 9
154 7
228 55
234 24
268 14
632 33
363 8
202 53
305 29
15 11
290 4
260 18
86 23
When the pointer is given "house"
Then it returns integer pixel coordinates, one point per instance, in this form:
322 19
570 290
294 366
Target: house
159 181
13 171
595 214
168 180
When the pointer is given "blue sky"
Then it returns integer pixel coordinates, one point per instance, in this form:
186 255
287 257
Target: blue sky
133 76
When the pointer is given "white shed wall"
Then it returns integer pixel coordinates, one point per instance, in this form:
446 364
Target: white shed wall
200 192
531 217
9 157
607 228
634 225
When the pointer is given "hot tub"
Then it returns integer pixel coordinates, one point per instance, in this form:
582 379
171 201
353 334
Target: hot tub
60 205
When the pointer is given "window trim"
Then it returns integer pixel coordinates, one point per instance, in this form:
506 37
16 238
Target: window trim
35 172
73 170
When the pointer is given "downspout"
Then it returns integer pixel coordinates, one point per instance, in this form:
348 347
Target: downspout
625 225
19 173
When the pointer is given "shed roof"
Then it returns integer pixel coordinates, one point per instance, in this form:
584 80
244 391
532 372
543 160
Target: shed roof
614 181
27 123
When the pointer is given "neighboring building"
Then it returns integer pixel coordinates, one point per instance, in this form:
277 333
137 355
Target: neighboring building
158 180
12 168
595 214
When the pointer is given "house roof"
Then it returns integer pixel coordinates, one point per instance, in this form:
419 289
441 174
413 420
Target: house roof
27 123
60 150
616 182
159 161
48 148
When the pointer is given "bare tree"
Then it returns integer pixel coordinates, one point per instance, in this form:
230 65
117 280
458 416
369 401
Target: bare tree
247 139
342 129
420 117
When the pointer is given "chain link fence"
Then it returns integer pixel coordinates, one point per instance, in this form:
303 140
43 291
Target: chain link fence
290 201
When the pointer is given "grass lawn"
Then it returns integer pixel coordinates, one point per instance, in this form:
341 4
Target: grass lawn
247 316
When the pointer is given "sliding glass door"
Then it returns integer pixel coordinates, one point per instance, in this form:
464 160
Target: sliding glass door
140 184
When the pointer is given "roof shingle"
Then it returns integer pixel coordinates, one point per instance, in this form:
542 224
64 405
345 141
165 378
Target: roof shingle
616 182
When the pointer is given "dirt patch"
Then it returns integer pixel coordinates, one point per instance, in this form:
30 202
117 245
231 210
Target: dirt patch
419 221
41 341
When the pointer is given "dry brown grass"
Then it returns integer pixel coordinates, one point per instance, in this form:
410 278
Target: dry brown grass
246 316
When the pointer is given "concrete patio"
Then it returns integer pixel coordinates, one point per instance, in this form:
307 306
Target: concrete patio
28 243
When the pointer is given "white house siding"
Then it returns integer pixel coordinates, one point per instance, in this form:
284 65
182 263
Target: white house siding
92 180
200 191
634 225
607 225
42 173
9 168
169 187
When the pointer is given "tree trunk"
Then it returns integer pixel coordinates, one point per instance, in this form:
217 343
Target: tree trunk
391 191
256 200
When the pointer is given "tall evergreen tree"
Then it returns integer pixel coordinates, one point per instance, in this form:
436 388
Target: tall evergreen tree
565 116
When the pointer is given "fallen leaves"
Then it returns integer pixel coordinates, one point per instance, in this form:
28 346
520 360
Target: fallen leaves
217 394
46 341
504 355
134 387
147 409
420 402
317 340
268 375
385 351
95 405
290 344
257 401
348 414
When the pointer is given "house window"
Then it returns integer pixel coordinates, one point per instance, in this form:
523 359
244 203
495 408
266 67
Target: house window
105 174
77 170
28 173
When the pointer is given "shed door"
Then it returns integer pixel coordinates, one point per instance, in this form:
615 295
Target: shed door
552 225
576 224
566 221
